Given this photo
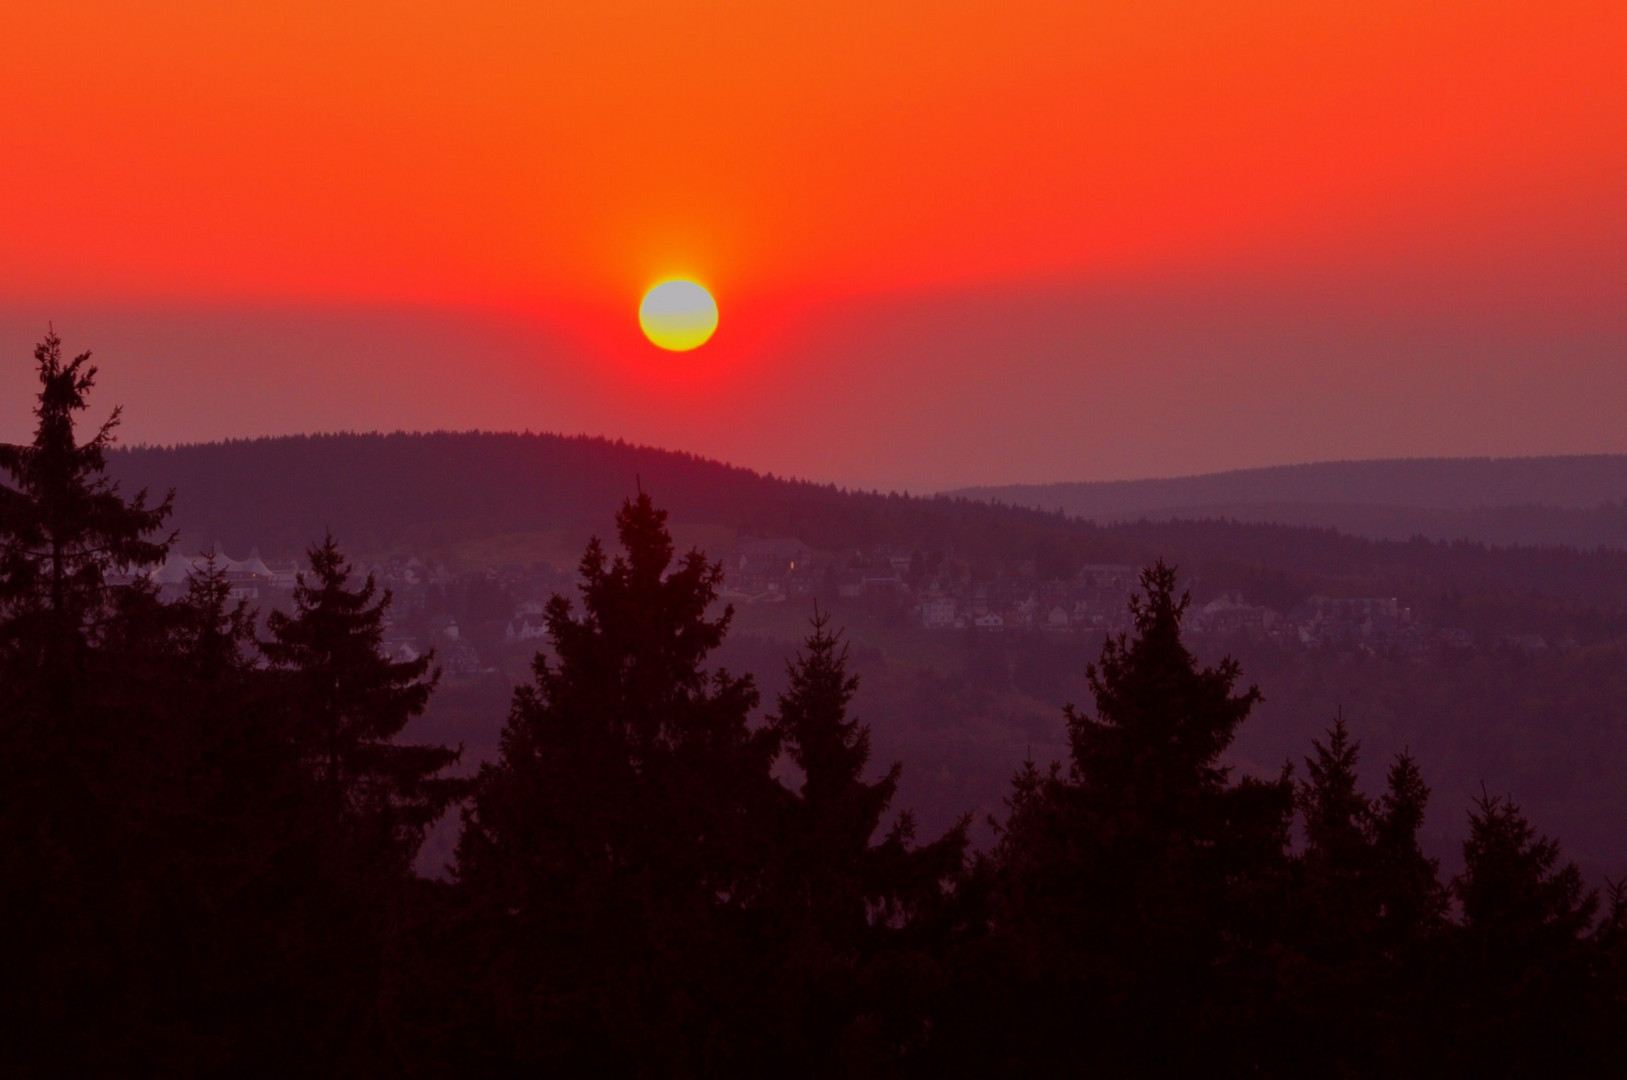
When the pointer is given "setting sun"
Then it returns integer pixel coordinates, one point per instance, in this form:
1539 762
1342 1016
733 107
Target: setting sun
678 315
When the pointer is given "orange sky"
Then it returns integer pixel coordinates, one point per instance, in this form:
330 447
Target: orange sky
541 163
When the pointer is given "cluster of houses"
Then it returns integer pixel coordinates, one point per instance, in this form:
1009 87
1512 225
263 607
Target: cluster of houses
1096 598
1100 601
1375 624
943 597
251 579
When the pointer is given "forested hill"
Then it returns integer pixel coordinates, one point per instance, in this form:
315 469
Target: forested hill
430 493
1575 500
423 492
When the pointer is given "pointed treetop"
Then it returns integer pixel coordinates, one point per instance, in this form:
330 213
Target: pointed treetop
63 524
830 749
1159 716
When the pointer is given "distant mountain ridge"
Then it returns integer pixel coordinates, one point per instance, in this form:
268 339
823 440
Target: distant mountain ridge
1578 500
379 491
427 491
488 499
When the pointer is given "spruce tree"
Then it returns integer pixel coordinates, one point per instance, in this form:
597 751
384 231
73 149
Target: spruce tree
352 702
1413 901
1339 819
1520 902
136 832
615 845
856 911
78 787
372 799
1335 911
1156 803
1524 954
213 633
1368 907
1134 885
65 528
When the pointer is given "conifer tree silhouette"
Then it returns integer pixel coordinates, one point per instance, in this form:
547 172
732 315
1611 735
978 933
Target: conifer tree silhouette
1339 819
205 858
214 632
70 769
618 836
373 799
1517 897
104 842
851 905
1414 902
1523 947
1135 884
64 528
217 813
353 702
1368 907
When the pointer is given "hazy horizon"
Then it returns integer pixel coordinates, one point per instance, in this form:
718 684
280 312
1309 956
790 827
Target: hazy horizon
948 245
936 393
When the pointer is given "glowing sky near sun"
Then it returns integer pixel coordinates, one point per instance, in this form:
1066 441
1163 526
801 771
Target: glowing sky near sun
548 160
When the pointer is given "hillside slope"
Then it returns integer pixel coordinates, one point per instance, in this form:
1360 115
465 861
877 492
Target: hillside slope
423 492
432 494
1577 500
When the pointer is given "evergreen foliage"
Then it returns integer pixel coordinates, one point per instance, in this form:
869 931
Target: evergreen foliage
64 528
858 919
168 884
68 760
1368 910
849 884
352 702
1523 953
372 798
617 838
1137 883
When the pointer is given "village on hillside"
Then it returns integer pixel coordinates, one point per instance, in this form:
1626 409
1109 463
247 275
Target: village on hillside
433 608
950 596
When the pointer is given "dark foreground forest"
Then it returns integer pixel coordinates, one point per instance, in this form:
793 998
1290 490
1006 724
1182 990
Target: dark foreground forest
207 835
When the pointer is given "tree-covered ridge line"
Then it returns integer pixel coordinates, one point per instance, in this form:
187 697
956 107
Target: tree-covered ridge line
430 494
206 843
1565 482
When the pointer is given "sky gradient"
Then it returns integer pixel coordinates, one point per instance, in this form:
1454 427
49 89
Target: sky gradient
950 242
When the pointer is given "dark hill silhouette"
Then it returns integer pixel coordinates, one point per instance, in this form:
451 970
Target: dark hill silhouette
424 493
1578 499
1602 526
421 491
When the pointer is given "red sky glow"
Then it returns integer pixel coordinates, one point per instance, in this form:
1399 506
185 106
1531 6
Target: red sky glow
950 241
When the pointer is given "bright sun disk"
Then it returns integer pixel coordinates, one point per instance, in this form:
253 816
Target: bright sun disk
678 315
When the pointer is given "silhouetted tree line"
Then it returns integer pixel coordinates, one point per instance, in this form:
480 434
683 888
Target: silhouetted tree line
206 845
